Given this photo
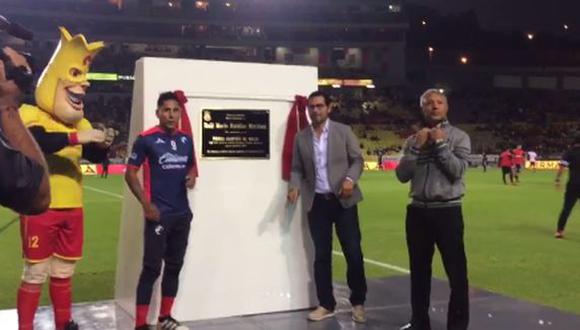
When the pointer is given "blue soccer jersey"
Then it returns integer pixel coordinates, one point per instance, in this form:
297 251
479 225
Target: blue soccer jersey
167 159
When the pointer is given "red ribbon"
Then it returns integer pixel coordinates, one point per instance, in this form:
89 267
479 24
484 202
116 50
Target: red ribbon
296 122
185 126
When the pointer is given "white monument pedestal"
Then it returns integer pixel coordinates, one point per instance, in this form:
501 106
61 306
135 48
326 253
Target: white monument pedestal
248 252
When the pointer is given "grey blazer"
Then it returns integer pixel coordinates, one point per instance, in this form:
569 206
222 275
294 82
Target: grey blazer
344 160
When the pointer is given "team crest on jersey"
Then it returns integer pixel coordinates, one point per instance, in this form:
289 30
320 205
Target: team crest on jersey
159 141
183 140
159 230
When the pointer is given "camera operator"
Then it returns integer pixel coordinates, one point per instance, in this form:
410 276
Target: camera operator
24 183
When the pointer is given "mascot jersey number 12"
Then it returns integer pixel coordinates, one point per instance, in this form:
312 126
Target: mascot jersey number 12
52 241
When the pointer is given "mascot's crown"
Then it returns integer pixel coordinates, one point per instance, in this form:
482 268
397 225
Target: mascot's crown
76 49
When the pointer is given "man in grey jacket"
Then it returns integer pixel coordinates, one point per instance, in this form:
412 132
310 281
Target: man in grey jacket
326 166
435 160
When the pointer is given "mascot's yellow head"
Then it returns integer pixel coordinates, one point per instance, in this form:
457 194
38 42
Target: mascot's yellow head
63 83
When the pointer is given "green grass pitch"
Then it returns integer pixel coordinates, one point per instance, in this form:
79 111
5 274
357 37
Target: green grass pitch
508 234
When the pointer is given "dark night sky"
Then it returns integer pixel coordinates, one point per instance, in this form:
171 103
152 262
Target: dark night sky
532 15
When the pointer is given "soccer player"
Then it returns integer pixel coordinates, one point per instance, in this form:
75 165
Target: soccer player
519 156
105 163
532 156
484 161
506 162
571 160
171 168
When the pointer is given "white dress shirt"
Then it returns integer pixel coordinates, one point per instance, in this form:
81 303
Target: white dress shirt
322 185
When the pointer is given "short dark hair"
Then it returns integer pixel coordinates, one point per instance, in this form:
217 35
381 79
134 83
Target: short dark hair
321 94
166 96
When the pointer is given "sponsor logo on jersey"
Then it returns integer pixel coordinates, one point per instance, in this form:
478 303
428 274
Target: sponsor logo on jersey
172 161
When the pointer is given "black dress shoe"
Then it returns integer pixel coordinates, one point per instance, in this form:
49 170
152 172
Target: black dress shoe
143 327
410 326
71 325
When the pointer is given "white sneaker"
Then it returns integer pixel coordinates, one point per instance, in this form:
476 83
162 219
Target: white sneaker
169 323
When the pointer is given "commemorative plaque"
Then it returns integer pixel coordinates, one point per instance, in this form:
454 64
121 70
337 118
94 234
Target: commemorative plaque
235 133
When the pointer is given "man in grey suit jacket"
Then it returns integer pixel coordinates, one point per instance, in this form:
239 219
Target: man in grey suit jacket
326 166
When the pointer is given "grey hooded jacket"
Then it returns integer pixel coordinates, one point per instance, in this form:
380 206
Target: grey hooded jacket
436 172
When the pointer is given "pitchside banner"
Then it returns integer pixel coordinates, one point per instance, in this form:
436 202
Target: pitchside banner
97 169
89 169
545 165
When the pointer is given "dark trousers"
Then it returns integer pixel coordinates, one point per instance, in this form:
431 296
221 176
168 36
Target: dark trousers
427 227
517 170
165 240
105 172
507 170
570 198
325 211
